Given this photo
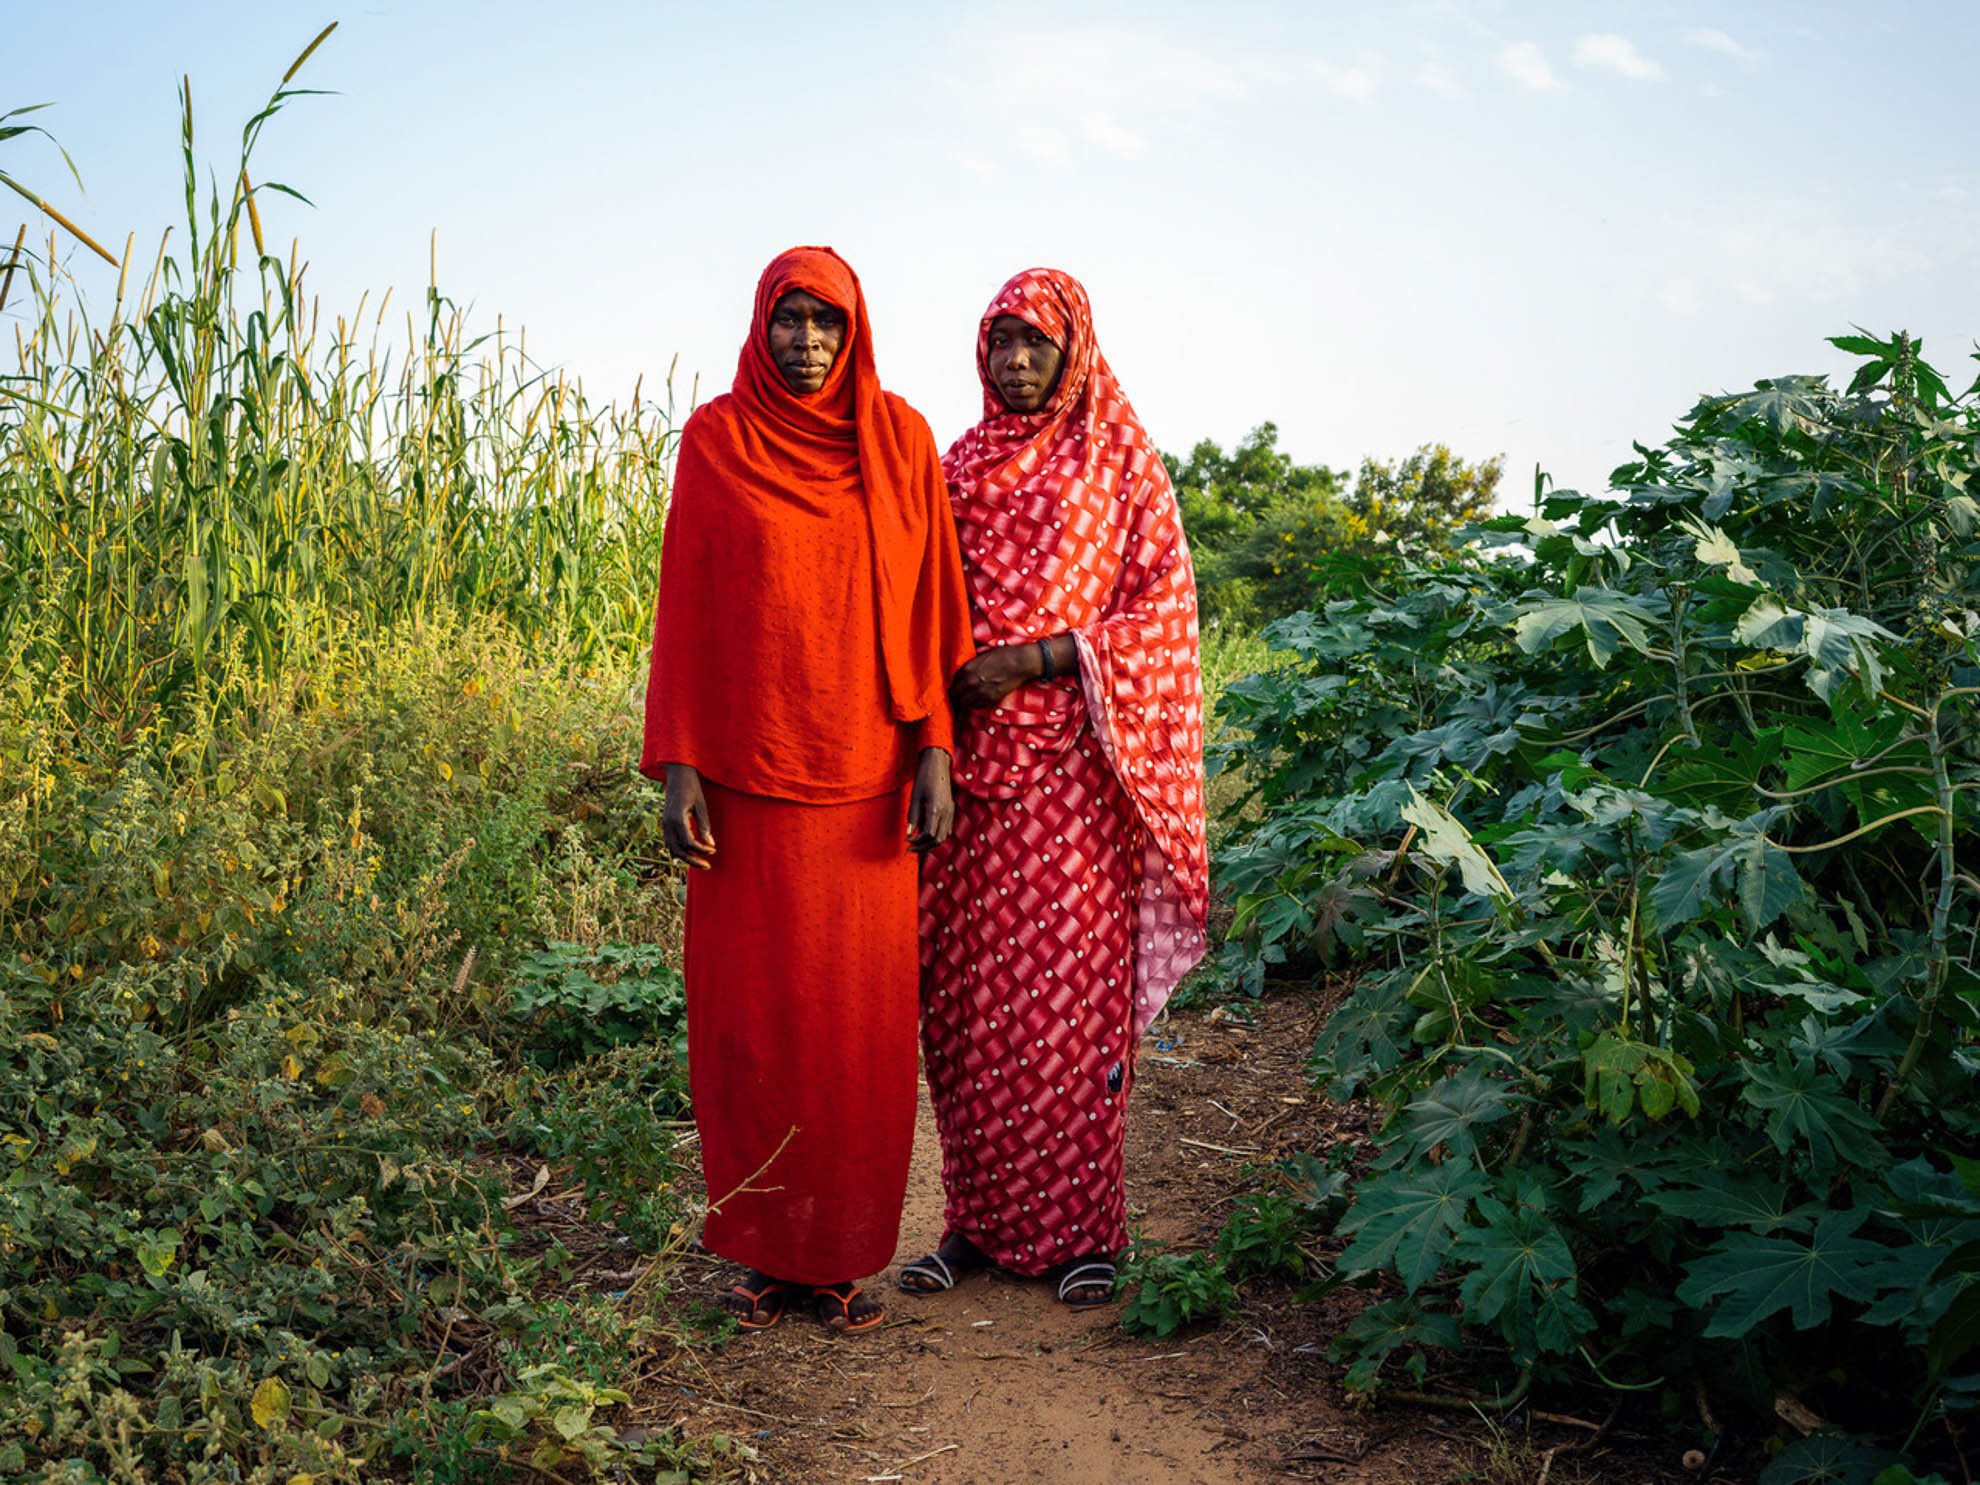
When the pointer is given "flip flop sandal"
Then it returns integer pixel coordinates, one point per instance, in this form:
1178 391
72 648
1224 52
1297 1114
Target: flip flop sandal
774 1296
1087 1276
941 1273
843 1295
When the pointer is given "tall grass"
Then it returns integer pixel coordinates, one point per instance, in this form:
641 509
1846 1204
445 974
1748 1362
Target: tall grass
206 486
316 635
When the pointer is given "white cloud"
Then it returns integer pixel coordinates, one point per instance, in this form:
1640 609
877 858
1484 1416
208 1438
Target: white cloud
1441 79
1711 39
1127 84
1130 87
1358 81
1616 54
1791 252
1526 64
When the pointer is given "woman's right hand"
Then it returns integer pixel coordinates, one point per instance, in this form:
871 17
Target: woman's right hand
993 674
684 821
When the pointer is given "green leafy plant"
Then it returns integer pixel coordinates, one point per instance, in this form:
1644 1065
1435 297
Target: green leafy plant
607 1120
1262 1237
580 1001
312 703
1171 1290
550 1420
1648 822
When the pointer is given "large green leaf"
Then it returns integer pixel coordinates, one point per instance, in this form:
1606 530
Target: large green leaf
1608 621
1748 1277
1447 989
1448 1112
1522 1275
1693 882
1619 1074
1360 1040
1957 1333
1784 404
1725 1199
1962 514
1819 750
1857 756
1809 1111
1715 549
1836 642
1397 1321
1602 1162
1404 1221
1829 1459
1768 883
1444 838
1725 775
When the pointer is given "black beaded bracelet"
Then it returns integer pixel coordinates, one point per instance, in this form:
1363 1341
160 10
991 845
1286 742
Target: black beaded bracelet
1045 652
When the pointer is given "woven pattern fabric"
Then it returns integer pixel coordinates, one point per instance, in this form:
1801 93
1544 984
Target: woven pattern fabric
1027 975
1068 524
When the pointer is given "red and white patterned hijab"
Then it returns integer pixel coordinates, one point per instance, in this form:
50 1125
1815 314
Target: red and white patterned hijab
1068 522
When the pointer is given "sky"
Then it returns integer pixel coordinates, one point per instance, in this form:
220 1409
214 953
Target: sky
1532 229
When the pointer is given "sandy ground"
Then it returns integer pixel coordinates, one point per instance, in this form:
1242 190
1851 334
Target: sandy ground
997 1383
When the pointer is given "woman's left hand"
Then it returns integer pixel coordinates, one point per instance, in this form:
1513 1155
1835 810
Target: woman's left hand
994 674
932 804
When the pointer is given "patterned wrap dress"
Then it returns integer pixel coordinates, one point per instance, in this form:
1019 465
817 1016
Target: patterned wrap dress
1073 894
811 613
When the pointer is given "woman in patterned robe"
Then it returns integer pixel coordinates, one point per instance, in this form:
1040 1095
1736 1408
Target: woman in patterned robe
1072 896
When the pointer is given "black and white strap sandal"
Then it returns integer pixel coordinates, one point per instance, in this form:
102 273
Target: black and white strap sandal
935 1269
946 1267
1095 1274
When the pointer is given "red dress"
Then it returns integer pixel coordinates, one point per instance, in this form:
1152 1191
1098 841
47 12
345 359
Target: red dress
1073 895
811 612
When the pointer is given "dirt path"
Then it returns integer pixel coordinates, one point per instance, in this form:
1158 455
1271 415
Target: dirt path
996 1382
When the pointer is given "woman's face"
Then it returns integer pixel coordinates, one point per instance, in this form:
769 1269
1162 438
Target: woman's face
1024 363
805 336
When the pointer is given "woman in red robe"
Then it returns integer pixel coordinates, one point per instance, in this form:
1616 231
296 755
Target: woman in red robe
1073 894
811 613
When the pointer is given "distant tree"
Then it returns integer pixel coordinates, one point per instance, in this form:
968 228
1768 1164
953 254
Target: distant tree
1270 536
1421 501
1250 515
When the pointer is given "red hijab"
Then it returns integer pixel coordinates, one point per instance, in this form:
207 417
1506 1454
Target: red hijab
730 682
1068 522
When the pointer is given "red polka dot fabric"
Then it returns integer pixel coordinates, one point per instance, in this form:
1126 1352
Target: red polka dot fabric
1072 897
1068 522
1025 1032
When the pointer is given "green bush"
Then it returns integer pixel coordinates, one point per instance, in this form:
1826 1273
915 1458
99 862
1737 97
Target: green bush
247 1060
578 1001
1653 837
1269 535
1262 1236
206 1217
606 1120
1171 1290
